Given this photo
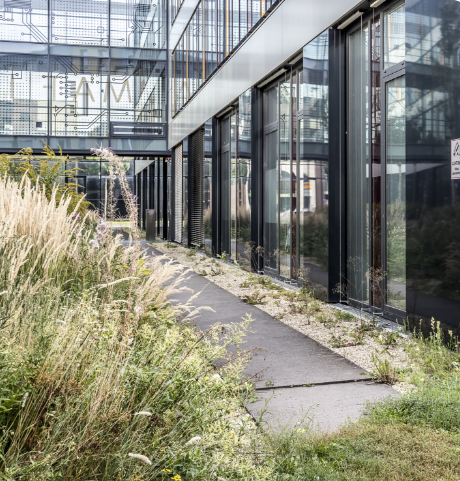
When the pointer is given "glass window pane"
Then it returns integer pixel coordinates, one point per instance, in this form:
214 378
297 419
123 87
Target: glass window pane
285 179
395 36
25 21
137 90
244 180
358 167
312 181
271 196
23 95
82 22
136 24
396 192
79 96
271 106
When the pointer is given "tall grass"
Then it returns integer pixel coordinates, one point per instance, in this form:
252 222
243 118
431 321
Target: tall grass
101 377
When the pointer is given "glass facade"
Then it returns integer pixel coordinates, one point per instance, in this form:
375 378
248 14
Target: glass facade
432 218
215 29
358 218
81 74
235 168
174 6
310 203
296 167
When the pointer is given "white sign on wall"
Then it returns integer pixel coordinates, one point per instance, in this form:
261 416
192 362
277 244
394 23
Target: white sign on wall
455 158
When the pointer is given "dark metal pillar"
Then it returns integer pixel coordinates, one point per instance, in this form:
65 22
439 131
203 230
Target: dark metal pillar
138 198
144 196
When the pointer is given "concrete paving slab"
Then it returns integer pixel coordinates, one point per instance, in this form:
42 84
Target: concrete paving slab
328 406
284 357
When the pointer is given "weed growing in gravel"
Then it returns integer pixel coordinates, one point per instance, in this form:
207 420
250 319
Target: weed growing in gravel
255 298
383 370
192 252
344 316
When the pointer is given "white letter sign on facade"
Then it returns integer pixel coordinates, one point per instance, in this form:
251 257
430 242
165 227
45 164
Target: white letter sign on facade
455 158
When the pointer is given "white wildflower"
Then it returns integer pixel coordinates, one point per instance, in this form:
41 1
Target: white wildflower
194 440
143 413
24 399
141 457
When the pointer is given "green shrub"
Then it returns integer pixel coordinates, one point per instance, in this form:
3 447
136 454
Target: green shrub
47 171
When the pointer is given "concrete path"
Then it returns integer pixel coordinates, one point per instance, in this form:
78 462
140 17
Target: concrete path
295 373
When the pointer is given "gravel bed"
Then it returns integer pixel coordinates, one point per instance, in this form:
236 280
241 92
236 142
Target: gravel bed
319 320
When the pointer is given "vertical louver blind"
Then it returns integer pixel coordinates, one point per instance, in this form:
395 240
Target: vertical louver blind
178 203
196 161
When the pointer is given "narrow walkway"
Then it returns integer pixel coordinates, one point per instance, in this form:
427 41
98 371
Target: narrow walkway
292 370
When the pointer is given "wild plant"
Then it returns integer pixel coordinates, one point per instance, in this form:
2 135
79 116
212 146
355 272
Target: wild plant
383 370
102 377
47 172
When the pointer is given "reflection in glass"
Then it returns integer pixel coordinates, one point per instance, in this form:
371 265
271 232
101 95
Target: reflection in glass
137 90
285 179
312 175
79 96
358 166
83 22
138 24
225 186
396 192
376 121
244 179
395 36
271 184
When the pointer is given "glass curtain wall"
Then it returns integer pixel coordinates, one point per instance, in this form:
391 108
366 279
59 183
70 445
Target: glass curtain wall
296 162
244 180
376 205
235 158
80 74
285 181
311 209
215 29
271 179
395 128
225 169
433 198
